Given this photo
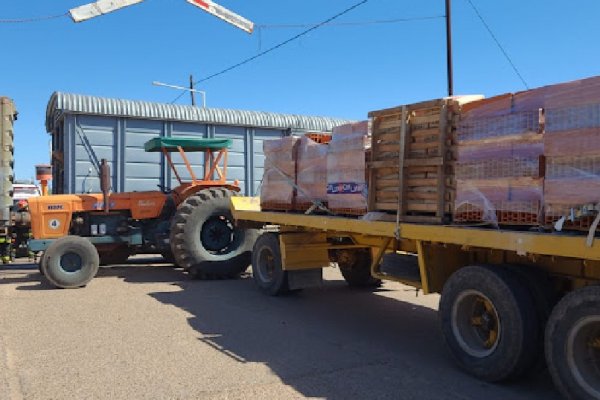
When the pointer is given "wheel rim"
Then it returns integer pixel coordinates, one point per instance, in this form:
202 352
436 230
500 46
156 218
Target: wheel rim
266 264
475 324
71 262
583 354
217 234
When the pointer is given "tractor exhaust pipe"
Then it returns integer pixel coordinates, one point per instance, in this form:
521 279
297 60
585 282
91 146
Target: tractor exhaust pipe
105 183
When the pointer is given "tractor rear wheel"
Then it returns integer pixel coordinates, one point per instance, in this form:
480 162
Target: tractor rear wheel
70 262
204 240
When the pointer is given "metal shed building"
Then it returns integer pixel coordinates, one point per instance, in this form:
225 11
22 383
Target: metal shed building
86 129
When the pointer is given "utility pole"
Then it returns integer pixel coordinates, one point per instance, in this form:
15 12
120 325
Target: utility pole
192 91
449 47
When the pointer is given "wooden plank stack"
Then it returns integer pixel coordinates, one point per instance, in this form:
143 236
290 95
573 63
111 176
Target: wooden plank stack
411 169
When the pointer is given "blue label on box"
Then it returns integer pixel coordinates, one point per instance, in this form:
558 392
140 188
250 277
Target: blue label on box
346 188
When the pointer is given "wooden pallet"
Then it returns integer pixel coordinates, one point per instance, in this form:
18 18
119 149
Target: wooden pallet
411 169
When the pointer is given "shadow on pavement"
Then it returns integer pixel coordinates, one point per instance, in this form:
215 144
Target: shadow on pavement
336 342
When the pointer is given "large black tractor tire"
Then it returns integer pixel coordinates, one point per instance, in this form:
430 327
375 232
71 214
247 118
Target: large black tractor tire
168 256
70 262
489 322
355 266
267 268
573 344
204 240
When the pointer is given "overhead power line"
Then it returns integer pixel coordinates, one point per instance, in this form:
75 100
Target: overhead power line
353 23
32 19
512 64
269 50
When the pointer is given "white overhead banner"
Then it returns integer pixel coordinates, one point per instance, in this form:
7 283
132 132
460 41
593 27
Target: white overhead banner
98 8
224 13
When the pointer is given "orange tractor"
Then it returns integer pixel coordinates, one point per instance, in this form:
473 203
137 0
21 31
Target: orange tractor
190 225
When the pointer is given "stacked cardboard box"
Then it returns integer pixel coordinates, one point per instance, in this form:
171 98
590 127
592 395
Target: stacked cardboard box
278 190
301 173
311 174
346 169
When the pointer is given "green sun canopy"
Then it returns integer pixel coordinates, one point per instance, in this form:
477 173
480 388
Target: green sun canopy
187 144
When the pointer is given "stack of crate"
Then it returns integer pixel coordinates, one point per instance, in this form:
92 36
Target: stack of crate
411 169
500 167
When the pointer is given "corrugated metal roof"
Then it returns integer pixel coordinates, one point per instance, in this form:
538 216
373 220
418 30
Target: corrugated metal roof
60 103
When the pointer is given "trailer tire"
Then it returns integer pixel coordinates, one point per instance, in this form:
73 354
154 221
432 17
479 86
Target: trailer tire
70 262
487 316
573 344
544 298
355 266
267 267
204 240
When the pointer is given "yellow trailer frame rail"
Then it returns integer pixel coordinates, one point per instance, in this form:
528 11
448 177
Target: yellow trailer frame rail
441 249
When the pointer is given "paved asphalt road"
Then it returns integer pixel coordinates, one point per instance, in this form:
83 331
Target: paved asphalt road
147 332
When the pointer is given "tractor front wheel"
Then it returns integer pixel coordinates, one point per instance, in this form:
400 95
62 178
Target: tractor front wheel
204 240
70 262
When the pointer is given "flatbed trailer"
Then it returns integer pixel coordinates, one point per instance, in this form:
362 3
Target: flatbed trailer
509 300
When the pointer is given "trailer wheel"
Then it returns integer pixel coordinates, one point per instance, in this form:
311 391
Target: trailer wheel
355 266
204 240
266 265
70 262
573 344
489 322
544 298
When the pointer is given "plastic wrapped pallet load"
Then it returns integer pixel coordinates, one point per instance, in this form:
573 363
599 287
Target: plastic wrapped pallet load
346 169
311 174
499 167
531 157
572 141
277 191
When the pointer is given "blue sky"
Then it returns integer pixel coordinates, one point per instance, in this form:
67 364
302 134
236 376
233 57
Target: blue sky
341 71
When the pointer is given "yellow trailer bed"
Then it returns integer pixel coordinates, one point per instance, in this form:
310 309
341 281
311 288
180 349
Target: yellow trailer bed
507 297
